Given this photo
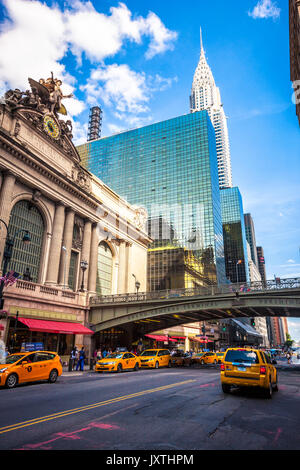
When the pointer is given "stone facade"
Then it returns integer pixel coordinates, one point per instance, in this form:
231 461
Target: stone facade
40 165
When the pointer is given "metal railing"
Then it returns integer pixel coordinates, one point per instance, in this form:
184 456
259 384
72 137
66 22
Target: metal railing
209 291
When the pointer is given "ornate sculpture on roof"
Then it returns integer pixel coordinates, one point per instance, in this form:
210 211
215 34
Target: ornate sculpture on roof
45 96
41 106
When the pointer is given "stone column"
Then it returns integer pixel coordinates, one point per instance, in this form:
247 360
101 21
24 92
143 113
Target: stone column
85 252
122 268
128 273
66 254
6 193
93 263
55 247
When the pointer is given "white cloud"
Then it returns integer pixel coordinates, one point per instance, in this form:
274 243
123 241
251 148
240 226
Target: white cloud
120 86
35 38
265 9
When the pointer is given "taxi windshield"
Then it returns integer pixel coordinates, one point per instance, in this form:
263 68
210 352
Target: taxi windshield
240 355
13 358
149 353
114 356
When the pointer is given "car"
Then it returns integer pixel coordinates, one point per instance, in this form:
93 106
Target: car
220 356
155 358
180 358
245 367
30 367
205 358
118 362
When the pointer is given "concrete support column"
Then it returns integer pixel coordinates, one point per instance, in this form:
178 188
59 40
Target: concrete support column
66 254
93 262
55 247
6 193
85 252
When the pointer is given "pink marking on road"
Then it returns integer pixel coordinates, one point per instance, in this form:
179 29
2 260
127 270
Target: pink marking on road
277 434
70 436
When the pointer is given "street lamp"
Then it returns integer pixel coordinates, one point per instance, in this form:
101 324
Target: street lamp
137 284
84 266
7 255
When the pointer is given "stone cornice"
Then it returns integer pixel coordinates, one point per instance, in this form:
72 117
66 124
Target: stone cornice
16 149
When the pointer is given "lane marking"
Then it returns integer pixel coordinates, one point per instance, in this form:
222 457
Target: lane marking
61 414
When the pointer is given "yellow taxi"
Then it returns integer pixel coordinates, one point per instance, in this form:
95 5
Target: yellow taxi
155 358
205 358
180 358
245 367
30 367
220 356
117 362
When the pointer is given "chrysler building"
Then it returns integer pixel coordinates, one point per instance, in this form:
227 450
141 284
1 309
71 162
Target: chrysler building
206 96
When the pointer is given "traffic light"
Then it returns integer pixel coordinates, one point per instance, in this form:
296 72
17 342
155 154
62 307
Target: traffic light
252 321
224 328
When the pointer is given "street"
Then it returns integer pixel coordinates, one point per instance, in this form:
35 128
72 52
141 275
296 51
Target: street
167 409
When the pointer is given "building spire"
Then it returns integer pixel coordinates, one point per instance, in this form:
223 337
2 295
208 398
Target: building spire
201 42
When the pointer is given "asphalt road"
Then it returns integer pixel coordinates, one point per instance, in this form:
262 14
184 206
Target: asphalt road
168 409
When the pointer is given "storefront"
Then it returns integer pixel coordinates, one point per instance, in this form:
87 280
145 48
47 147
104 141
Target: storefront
28 333
161 341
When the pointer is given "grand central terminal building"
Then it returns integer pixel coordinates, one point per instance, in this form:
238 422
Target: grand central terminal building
64 234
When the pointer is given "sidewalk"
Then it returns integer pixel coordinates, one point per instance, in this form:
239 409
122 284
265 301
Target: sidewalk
76 372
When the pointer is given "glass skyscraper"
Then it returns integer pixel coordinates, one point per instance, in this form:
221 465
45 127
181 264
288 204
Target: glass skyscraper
171 169
235 242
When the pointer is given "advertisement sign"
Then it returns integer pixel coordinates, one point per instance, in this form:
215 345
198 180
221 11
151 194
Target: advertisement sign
27 347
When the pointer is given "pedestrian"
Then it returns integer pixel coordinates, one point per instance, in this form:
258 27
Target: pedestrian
81 359
99 355
288 356
95 356
73 354
104 353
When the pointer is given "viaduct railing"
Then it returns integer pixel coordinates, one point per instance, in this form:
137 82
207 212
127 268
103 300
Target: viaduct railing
209 291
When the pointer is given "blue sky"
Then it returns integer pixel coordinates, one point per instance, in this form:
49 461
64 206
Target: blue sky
136 59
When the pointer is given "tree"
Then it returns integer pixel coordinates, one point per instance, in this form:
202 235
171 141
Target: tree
288 342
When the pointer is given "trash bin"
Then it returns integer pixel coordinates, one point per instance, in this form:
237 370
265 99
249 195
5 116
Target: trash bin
91 364
70 365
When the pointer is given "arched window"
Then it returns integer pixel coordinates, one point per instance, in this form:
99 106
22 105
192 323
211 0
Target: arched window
104 269
25 216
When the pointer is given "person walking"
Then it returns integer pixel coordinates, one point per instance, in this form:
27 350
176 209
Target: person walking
73 354
81 359
99 355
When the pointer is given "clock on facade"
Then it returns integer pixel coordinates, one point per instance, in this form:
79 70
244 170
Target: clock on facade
51 127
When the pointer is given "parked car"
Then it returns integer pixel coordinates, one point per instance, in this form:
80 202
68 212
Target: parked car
30 367
205 358
180 358
118 362
155 358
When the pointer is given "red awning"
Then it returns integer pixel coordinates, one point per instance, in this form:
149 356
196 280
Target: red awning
201 340
160 338
48 326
